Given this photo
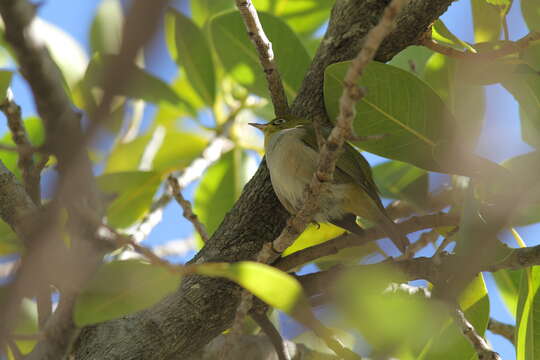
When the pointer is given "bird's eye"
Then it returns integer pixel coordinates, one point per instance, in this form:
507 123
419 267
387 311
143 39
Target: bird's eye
279 121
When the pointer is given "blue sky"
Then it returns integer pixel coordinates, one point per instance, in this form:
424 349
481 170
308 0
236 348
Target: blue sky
500 139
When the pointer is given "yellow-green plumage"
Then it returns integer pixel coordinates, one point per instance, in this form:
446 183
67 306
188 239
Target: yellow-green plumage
292 156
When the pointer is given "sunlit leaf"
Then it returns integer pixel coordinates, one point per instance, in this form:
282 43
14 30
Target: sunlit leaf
132 193
190 49
203 10
487 21
314 235
275 287
177 151
106 29
123 287
127 156
220 187
240 60
527 319
508 284
441 33
304 17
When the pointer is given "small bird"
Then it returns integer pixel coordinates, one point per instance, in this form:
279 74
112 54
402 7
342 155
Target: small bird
292 156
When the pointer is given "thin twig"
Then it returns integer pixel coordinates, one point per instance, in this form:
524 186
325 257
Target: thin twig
344 241
480 345
505 330
15 351
505 48
186 206
31 179
425 239
266 56
273 334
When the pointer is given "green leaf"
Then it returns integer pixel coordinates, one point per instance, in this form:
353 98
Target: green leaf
412 59
240 60
177 151
525 175
304 17
141 85
527 320
526 90
66 52
220 187
531 13
133 192
9 242
411 115
189 48
203 10
34 129
5 81
508 285
106 29
386 318
127 156
441 33
449 343
397 180
466 101
275 287
487 21
122 287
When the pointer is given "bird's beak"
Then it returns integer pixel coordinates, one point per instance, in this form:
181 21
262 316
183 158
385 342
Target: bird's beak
258 126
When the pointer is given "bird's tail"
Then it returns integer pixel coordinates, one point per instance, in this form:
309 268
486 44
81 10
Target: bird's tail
390 228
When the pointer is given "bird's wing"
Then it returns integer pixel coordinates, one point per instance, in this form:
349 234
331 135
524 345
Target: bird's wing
351 168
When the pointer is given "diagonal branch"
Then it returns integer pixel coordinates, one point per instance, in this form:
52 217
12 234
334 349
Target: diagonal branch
204 307
266 56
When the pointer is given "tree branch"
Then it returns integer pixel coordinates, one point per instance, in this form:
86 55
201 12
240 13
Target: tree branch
186 206
479 344
31 177
266 56
204 307
347 240
505 330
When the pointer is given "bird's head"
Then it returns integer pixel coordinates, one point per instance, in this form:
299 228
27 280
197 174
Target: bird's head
278 124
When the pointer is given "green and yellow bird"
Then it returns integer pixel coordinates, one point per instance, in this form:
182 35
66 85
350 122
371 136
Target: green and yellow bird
292 157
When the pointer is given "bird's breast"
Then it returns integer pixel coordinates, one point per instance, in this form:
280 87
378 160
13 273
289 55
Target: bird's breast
291 163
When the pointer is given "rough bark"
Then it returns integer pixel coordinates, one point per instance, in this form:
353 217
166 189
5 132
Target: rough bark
203 307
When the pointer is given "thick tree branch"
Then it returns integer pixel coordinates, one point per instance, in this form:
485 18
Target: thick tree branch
204 307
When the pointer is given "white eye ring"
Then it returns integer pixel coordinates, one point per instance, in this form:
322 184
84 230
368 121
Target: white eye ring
279 121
